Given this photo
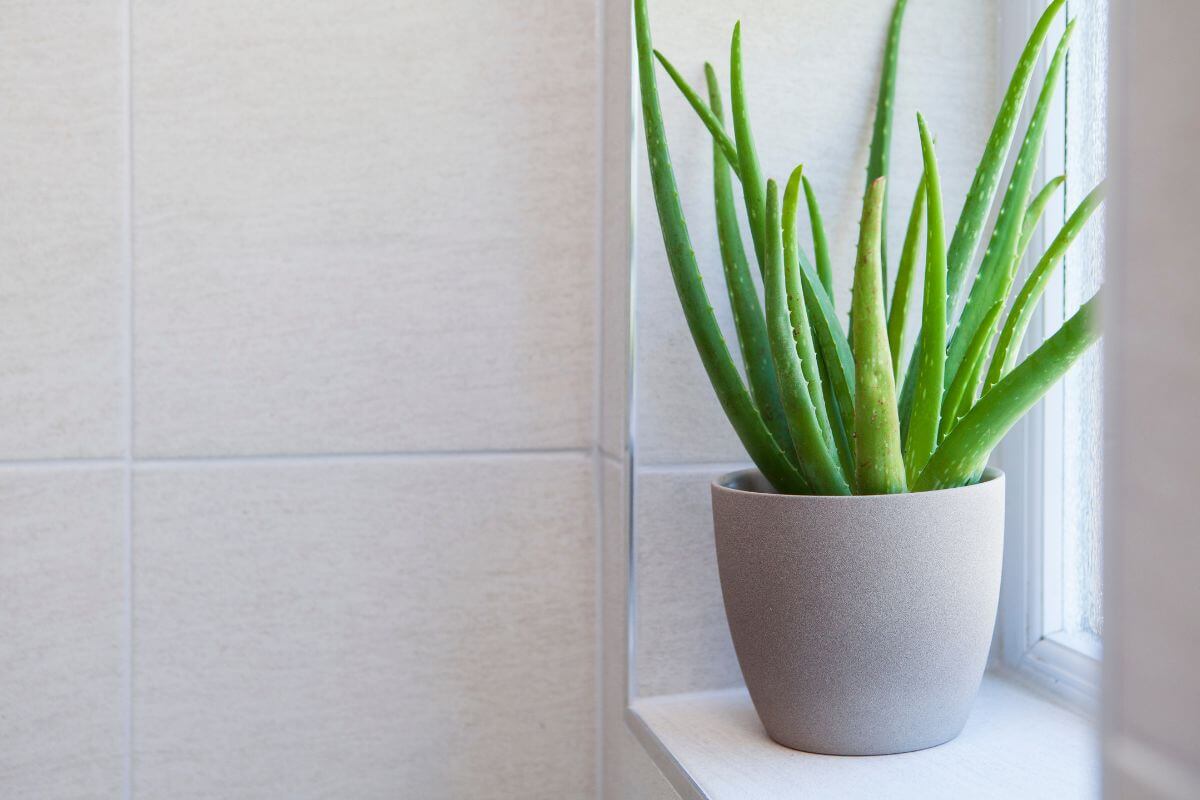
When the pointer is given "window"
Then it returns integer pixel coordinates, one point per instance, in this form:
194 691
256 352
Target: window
1051 618
1074 603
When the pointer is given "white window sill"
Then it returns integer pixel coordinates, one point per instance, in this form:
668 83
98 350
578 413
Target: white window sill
711 746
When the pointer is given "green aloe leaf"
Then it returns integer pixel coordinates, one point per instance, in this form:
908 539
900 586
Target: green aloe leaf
898 312
987 177
818 409
927 405
1033 215
877 456
982 193
743 297
1009 343
961 393
881 136
998 270
841 437
710 117
775 465
820 241
831 339
795 360
966 387
750 171
965 451
802 330
831 343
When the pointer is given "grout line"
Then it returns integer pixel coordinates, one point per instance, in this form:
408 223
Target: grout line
166 462
127 686
103 462
629 462
163 462
598 353
629 481
60 463
599 512
694 468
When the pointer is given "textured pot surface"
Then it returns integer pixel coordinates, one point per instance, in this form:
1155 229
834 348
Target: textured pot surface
862 624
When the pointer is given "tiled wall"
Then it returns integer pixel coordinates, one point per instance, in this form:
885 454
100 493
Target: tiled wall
299 370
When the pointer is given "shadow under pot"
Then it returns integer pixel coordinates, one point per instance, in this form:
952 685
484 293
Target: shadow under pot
862 624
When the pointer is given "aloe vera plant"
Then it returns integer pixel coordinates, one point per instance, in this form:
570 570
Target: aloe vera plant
827 409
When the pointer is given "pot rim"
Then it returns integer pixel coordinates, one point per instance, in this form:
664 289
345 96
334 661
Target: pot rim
722 484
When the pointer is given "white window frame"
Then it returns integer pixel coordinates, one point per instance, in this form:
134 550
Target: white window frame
1032 456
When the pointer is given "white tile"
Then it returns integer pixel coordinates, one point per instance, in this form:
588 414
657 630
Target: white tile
61 627
634 775
615 512
681 638
63 166
615 530
812 74
416 628
628 771
365 226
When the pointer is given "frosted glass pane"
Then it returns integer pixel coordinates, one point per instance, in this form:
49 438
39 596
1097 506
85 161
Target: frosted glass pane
1087 82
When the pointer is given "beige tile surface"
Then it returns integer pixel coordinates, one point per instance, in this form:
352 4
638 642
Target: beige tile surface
615 513
62 158
628 771
681 635
812 73
62 612
389 629
634 775
365 226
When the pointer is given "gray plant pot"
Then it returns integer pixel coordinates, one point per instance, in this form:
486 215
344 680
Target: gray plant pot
862 624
